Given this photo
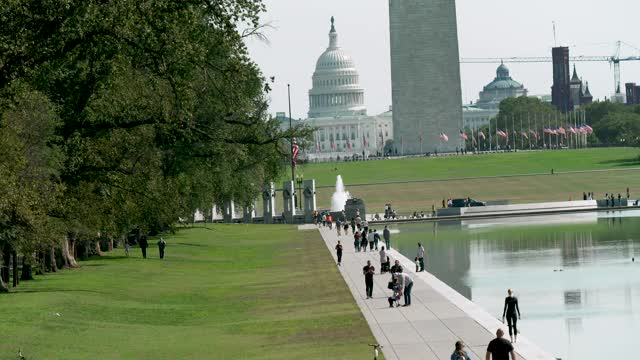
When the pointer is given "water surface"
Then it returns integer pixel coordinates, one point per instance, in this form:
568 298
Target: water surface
578 289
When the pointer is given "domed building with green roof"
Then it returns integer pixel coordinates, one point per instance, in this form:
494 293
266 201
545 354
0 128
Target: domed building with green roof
502 87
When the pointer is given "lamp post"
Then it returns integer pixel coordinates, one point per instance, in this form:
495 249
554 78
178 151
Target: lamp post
299 180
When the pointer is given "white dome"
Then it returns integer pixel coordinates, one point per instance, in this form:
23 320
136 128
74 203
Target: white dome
336 87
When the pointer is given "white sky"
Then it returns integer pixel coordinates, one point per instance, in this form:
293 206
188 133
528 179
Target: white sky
486 28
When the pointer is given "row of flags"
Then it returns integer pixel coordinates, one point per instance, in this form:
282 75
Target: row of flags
365 143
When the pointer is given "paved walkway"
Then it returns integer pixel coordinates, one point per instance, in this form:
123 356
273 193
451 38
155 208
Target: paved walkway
436 319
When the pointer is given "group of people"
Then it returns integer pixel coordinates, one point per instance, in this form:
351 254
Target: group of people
402 285
144 244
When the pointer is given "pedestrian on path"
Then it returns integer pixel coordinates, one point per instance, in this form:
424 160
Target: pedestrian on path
386 234
161 245
406 284
339 252
420 256
356 240
383 261
339 227
127 247
346 228
396 268
500 348
368 272
376 238
353 225
459 353
364 241
510 308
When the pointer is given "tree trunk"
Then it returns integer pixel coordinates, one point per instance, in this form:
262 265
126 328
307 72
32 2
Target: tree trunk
27 273
68 250
110 244
97 246
40 268
6 260
14 258
52 255
3 287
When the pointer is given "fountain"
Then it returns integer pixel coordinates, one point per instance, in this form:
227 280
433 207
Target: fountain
339 197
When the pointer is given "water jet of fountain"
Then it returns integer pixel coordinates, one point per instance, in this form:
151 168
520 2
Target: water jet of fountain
340 196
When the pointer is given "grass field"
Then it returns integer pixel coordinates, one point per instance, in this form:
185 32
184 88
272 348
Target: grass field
228 292
432 179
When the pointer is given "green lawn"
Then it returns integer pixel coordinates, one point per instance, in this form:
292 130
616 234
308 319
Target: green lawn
470 166
440 176
228 292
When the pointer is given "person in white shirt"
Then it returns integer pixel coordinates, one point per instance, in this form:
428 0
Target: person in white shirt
420 256
406 284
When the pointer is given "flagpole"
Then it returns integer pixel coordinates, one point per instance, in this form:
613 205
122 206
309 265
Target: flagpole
291 139
529 125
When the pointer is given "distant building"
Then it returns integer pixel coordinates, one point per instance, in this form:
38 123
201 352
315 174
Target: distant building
633 94
561 88
337 110
580 94
502 87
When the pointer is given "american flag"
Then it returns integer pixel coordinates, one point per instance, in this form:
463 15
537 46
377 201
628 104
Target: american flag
475 142
481 134
333 146
502 133
589 129
548 131
534 133
364 141
524 135
561 130
463 135
572 130
295 151
444 137
348 145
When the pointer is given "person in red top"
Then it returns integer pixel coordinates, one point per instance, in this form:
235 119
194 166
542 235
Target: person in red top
330 221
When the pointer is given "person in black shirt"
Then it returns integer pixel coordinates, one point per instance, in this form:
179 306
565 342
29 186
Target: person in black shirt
396 268
499 348
368 272
510 308
339 252
144 244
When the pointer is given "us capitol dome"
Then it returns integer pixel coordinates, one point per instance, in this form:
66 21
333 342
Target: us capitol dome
336 87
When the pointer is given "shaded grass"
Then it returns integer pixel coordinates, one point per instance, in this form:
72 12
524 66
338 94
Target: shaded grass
238 292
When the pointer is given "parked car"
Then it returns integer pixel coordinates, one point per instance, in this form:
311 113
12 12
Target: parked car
468 202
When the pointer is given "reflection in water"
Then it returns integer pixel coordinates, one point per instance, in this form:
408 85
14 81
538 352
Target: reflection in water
573 274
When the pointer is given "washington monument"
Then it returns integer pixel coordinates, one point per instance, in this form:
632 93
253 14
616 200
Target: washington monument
425 75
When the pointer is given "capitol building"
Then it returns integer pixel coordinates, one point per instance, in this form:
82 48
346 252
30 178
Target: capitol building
337 108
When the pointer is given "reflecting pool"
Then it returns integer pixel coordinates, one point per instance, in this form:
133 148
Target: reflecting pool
577 286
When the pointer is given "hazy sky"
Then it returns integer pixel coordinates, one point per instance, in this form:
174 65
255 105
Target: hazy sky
486 28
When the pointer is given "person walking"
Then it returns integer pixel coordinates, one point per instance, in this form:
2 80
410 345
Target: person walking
459 353
368 272
339 227
500 348
353 225
339 252
161 245
386 234
364 242
510 309
383 261
127 247
143 245
406 284
356 240
420 256
371 241
376 238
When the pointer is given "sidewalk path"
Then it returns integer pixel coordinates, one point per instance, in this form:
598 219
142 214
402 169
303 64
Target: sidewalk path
436 319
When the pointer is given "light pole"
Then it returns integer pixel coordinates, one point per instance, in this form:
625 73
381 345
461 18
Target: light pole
290 127
299 180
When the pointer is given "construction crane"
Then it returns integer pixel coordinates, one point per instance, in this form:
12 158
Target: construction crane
614 59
